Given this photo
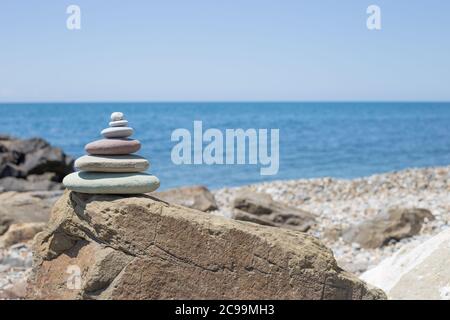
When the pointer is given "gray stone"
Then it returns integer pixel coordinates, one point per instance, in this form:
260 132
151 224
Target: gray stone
116 116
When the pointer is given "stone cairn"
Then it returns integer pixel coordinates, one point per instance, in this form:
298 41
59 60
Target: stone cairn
110 167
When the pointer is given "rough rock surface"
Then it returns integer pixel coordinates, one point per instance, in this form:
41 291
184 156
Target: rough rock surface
18 207
395 225
260 208
195 197
31 164
139 247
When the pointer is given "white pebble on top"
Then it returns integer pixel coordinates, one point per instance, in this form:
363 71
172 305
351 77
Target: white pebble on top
116 116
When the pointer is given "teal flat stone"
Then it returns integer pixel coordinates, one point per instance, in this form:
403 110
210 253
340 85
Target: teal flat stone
111 183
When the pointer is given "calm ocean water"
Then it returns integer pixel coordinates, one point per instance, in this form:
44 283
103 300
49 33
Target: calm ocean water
343 140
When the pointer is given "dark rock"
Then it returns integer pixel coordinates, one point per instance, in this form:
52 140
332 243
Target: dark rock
31 164
195 197
396 225
260 208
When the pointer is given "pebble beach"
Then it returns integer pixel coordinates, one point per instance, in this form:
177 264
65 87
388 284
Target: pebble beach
337 204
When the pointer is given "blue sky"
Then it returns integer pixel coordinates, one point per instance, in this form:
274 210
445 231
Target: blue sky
224 50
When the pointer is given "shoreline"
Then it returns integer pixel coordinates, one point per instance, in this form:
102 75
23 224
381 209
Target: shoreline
336 203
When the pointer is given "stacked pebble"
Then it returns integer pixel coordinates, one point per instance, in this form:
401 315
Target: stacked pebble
110 167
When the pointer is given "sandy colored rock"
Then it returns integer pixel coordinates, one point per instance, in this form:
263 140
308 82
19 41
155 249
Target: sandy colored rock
260 208
20 232
112 146
397 224
194 197
14 291
139 247
19 207
118 163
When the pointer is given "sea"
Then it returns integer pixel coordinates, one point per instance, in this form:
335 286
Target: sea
341 140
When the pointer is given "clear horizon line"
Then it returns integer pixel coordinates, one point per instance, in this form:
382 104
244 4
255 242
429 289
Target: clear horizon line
221 101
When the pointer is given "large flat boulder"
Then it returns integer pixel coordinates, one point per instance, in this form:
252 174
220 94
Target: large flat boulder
139 247
262 209
416 272
397 224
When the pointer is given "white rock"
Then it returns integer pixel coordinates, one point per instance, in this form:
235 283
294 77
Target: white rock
415 272
116 116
